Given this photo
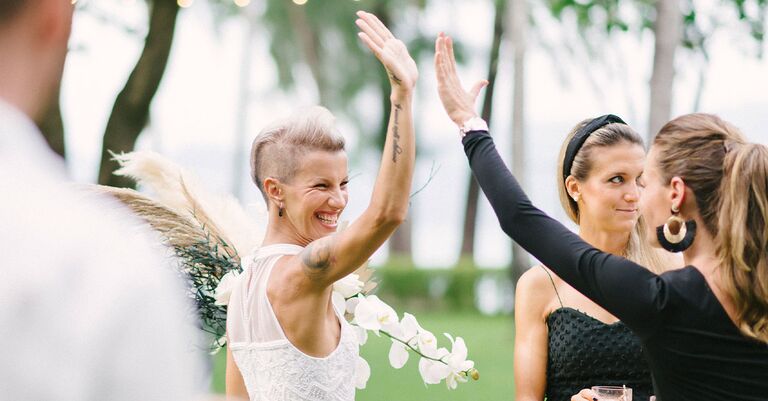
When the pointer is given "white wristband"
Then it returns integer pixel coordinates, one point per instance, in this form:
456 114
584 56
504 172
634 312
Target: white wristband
473 124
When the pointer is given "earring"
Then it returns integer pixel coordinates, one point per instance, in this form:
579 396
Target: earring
280 210
576 198
676 235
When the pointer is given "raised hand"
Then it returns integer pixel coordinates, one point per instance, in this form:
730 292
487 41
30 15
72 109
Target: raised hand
392 53
457 102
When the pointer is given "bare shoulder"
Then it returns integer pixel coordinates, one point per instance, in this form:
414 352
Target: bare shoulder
535 290
317 258
537 279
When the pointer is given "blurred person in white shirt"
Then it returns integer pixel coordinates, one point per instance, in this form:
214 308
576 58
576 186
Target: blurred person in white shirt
89 308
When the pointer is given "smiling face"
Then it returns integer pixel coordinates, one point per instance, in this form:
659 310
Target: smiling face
609 196
316 195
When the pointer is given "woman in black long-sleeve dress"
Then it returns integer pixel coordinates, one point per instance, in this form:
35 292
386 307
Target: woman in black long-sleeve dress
704 327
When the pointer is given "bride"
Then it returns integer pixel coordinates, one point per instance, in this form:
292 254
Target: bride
286 341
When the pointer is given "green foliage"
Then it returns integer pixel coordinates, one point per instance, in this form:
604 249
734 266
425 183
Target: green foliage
342 64
203 265
454 289
323 35
586 13
604 15
753 14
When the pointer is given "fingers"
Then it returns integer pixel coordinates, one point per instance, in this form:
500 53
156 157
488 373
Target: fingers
371 33
584 395
477 87
451 58
374 22
373 27
448 81
440 64
449 62
375 48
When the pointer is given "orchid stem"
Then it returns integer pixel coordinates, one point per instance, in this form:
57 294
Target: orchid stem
412 348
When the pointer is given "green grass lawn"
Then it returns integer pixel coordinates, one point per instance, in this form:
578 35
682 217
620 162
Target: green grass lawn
490 344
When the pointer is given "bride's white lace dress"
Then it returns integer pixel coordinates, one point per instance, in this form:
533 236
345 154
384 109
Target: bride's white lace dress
272 368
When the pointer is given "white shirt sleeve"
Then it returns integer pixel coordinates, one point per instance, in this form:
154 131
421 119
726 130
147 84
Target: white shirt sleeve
90 309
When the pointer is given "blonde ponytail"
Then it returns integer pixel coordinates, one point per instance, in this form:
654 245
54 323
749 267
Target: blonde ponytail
743 235
729 178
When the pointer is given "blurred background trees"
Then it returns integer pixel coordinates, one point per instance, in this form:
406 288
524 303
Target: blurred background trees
312 49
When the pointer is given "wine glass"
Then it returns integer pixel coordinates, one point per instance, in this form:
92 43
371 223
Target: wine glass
613 393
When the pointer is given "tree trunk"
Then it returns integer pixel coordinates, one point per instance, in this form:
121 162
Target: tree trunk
519 25
243 101
668 33
130 112
473 193
52 127
310 46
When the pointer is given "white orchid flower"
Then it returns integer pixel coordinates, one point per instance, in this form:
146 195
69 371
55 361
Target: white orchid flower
398 352
349 286
457 362
410 328
352 304
436 364
362 373
373 314
366 316
362 335
224 289
432 372
427 343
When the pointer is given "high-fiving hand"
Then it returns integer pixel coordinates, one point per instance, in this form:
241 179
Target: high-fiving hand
458 103
392 53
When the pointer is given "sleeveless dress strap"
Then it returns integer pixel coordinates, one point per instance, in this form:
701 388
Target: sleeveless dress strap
553 285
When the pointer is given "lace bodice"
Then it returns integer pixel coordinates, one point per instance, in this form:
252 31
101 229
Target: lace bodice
272 368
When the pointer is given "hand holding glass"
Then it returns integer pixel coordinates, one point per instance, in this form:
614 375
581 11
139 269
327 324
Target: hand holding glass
612 393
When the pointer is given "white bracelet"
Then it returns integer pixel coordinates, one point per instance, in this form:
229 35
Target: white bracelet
473 124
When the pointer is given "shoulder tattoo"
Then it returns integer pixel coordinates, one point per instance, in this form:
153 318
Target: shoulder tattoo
317 256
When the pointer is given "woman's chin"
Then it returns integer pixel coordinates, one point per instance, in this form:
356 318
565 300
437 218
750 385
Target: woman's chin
623 226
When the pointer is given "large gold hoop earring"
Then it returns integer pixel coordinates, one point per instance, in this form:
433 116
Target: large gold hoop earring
676 235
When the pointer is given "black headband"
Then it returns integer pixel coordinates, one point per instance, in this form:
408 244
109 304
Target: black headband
575 144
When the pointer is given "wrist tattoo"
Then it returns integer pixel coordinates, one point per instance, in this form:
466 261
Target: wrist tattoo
395 79
317 256
396 148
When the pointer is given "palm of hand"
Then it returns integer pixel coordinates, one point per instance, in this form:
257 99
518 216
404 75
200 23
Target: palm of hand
458 102
392 53
401 68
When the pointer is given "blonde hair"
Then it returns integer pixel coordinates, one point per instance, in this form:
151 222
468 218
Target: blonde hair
638 249
729 179
276 152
